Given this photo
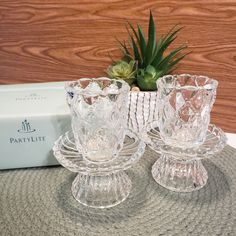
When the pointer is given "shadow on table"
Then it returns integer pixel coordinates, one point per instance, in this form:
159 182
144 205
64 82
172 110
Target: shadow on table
130 207
216 188
146 193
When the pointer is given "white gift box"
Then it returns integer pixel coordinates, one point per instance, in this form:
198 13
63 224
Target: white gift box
32 117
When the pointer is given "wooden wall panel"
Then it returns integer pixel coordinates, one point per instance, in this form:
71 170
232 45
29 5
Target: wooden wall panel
47 40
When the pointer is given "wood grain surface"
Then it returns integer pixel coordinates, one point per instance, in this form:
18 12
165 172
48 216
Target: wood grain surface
48 40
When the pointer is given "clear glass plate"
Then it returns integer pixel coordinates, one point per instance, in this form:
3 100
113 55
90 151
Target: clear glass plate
215 142
68 156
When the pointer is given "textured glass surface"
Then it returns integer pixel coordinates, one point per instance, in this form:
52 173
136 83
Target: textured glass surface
99 184
214 142
100 147
182 133
184 105
142 109
66 152
99 114
180 169
179 176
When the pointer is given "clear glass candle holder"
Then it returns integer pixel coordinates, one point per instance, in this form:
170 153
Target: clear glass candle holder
99 113
184 106
182 133
100 147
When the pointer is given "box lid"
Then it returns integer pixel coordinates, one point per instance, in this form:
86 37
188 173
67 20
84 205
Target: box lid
34 99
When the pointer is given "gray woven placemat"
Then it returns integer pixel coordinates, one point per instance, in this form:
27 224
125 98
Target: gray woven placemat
38 201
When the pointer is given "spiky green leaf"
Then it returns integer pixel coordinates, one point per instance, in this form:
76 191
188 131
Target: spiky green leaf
151 41
143 44
134 32
123 47
136 51
169 58
135 45
177 60
165 43
126 54
155 53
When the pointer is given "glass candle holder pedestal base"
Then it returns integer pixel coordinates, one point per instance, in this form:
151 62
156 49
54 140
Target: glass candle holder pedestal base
179 176
99 184
179 169
101 191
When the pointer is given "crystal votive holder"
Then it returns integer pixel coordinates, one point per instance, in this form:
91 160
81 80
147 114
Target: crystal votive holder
99 111
100 147
184 105
182 130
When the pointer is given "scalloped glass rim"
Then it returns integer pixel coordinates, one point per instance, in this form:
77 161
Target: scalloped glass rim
201 82
76 86
68 156
215 142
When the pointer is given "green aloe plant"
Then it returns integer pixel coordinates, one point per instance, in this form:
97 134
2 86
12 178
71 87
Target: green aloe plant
150 54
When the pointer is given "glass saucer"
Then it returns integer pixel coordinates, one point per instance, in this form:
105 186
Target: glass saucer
99 184
68 156
215 142
178 169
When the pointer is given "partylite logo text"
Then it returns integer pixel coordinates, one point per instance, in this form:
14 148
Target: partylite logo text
26 129
30 97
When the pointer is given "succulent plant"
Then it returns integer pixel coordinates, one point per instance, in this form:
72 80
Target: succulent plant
123 70
150 54
146 78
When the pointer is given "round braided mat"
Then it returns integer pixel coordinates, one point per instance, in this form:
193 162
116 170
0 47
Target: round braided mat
38 201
